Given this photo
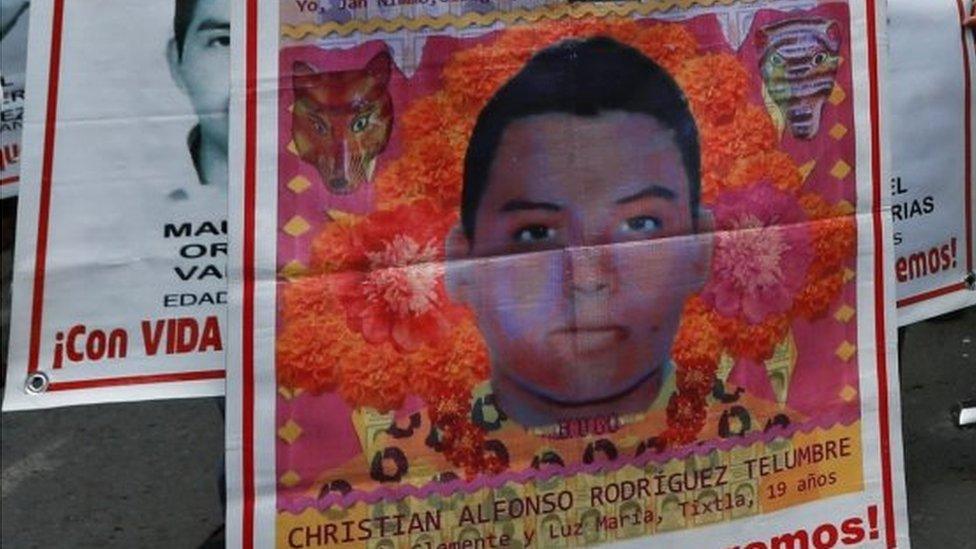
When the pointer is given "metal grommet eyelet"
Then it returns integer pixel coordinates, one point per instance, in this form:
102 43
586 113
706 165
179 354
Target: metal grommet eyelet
37 383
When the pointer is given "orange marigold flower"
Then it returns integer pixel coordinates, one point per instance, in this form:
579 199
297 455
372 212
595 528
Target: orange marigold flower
698 343
458 363
773 167
711 185
474 75
695 305
625 31
306 297
686 416
430 170
834 241
696 378
309 352
430 115
669 45
335 248
715 85
463 444
834 231
522 37
753 341
753 130
447 405
374 376
815 298
391 185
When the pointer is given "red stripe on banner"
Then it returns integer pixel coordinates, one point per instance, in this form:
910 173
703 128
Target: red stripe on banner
967 136
9 180
134 380
40 256
932 294
247 320
879 274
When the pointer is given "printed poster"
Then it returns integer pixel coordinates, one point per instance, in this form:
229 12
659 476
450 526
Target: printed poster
119 276
930 96
13 56
548 274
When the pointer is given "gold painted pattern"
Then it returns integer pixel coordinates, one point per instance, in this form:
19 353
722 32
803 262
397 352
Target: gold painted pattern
510 17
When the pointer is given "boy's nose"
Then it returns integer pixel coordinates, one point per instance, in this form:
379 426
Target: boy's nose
589 269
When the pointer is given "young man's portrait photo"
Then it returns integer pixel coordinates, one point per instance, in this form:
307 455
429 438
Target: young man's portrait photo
580 232
199 62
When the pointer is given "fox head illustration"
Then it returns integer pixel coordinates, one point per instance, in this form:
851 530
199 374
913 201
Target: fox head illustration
341 121
799 61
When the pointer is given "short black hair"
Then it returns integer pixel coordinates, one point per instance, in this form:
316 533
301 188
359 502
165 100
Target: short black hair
583 78
182 18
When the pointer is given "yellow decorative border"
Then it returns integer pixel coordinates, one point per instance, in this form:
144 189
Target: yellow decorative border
576 10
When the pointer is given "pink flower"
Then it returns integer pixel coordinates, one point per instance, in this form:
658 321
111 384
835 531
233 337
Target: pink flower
395 290
762 252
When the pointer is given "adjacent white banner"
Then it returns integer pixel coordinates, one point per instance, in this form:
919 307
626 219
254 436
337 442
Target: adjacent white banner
119 283
13 57
930 97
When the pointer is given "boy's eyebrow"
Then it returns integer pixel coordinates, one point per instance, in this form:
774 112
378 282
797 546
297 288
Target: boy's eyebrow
517 205
653 191
213 24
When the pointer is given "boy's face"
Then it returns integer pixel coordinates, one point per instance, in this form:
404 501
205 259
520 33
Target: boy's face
587 251
203 70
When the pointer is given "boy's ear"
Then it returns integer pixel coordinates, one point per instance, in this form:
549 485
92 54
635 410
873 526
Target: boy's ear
173 61
702 262
457 271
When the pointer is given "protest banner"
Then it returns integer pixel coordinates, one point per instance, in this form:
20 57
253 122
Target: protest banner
119 283
931 62
13 56
544 274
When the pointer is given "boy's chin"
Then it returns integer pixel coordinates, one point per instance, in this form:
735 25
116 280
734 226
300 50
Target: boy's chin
587 395
578 397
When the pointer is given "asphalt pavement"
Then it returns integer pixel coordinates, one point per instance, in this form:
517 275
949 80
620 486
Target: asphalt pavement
144 474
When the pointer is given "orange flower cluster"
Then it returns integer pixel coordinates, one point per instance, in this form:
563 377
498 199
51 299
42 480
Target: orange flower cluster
336 246
458 363
775 167
322 346
686 418
374 378
753 341
715 85
834 243
751 132
316 351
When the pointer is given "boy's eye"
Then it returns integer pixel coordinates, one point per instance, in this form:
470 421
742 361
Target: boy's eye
223 41
534 233
641 224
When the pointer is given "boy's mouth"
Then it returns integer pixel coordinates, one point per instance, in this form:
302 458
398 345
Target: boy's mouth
586 341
